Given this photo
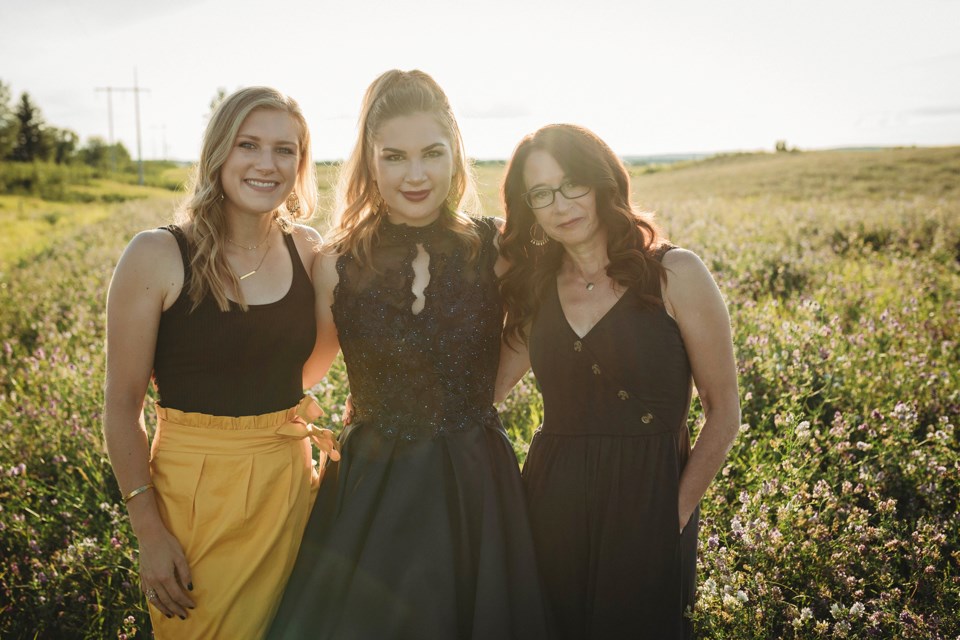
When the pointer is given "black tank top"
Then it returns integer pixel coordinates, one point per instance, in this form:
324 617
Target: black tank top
235 362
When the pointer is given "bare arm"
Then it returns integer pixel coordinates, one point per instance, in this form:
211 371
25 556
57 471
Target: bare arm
693 299
325 349
514 357
147 278
327 346
514 363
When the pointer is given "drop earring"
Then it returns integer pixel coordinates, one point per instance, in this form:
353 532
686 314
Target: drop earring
293 202
538 241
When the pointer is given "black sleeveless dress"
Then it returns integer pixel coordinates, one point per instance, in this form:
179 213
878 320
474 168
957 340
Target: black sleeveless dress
602 474
421 531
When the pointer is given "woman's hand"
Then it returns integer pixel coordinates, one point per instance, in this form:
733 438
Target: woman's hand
348 410
326 441
164 574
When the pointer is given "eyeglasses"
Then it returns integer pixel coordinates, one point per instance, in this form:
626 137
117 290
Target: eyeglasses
544 196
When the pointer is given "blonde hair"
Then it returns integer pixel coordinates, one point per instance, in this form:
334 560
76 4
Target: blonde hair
393 94
203 208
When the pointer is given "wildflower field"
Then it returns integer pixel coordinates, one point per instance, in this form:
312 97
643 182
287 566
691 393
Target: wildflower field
836 515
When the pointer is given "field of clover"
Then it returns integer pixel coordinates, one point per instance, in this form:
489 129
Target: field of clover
836 515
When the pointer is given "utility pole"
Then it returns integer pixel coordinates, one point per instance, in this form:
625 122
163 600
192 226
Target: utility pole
163 135
137 90
136 103
113 151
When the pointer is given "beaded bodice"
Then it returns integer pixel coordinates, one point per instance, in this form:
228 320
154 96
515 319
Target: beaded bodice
420 375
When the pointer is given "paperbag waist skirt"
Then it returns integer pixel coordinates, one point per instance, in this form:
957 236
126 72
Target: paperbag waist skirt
236 492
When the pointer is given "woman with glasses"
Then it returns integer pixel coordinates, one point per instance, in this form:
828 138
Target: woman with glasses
616 323
424 535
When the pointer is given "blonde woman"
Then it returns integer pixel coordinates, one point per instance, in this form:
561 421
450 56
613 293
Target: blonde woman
218 310
425 533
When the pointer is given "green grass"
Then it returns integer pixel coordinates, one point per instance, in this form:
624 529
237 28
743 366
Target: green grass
821 175
30 225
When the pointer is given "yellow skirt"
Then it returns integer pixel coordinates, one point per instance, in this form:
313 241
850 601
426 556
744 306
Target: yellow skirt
236 493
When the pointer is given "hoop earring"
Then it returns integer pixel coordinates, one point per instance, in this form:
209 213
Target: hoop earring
534 240
293 202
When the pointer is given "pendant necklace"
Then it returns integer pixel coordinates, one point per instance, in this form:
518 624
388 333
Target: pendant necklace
262 258
259 264
589 283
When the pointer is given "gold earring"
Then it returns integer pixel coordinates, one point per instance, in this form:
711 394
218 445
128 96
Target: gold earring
293 202
534 240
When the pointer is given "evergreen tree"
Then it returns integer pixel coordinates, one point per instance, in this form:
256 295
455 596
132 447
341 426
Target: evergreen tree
30 145
8 123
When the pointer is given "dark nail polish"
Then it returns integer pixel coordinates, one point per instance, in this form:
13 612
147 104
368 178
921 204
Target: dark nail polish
169 615
182 618
190 586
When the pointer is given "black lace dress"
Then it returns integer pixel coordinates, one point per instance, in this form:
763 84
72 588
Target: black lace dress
421 531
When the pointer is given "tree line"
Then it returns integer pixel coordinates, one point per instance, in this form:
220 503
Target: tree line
25 136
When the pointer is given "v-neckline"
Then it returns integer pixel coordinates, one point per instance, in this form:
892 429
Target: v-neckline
566 321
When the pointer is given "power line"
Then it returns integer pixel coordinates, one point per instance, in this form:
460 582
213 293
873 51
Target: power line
137 90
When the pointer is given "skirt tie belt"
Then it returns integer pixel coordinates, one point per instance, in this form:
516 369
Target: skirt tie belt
185 432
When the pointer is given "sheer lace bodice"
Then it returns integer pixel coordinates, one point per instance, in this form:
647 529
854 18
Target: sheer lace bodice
419 375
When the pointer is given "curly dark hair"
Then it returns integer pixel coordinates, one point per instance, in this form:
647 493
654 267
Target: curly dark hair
632 238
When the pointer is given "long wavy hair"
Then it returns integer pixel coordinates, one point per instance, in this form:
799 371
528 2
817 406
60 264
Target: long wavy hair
359 206
202 215
632 237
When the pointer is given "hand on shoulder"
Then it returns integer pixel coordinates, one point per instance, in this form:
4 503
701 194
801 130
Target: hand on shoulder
502 264
308 242
306 234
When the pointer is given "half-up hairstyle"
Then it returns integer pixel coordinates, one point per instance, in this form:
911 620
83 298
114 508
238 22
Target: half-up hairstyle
202 214
360 209
632 238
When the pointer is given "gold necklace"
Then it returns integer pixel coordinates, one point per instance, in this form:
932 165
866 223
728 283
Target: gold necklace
252 247
259 264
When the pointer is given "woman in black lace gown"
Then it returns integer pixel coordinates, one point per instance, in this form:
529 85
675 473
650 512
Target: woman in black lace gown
616 322
422 532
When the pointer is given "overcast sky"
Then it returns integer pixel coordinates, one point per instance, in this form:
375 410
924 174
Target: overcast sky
649 77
